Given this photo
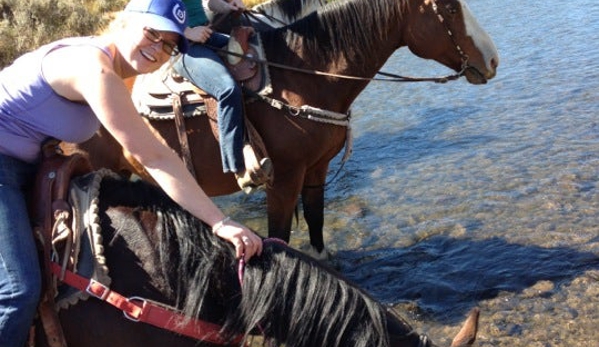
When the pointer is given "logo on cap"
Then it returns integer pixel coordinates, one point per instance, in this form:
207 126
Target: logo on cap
179 13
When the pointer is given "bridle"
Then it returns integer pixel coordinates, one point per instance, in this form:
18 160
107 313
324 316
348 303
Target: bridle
441 19
463 56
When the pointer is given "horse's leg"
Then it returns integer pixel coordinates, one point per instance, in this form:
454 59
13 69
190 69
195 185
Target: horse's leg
313 204
281 200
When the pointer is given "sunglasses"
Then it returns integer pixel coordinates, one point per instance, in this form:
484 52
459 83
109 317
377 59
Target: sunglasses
154 36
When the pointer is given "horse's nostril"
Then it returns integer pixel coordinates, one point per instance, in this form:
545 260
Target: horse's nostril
494 63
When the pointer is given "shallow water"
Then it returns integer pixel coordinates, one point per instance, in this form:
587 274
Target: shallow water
459 195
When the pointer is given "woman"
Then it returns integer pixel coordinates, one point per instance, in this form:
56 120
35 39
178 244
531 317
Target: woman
203 67
67 90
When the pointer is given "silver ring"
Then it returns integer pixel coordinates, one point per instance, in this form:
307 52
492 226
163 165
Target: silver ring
245 240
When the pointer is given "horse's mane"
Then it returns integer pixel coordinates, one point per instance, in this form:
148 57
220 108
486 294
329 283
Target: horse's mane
289 297
290 9
341 28
307 304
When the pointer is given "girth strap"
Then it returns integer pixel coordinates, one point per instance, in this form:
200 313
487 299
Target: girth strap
146 311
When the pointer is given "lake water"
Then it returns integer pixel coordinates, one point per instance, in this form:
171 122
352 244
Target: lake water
459 195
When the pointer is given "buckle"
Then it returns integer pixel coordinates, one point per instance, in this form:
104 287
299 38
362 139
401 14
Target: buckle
142 304
93 285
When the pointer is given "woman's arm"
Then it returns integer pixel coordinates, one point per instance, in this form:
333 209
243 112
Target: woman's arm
223 6
91 77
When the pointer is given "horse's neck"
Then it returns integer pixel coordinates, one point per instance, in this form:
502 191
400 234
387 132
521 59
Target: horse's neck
366 34
350 38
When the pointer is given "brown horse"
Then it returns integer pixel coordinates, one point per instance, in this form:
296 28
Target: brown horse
353 37
154 254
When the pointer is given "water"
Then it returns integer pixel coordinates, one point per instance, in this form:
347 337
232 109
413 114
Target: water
459 195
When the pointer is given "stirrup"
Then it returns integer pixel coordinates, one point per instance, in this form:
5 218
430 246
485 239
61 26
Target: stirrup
253 178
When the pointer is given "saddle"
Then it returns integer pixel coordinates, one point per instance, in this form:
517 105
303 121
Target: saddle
164 95
49 205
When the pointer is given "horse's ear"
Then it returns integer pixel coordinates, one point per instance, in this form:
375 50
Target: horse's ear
467 335
452 7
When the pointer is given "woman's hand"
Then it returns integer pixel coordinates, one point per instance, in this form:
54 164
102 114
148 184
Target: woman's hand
246 242
236 5
198 34
225 6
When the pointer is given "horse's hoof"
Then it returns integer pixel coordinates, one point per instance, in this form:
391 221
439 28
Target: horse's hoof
320 256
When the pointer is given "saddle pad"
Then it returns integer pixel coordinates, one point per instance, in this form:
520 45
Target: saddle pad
156 89
88 259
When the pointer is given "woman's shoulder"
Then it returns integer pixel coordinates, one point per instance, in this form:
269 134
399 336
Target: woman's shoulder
75 59
82 51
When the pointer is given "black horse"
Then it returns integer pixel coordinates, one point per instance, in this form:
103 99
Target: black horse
156 252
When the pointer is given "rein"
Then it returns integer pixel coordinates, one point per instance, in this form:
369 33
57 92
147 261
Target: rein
389 77
253 14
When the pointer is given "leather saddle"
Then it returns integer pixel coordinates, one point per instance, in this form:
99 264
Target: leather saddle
48 206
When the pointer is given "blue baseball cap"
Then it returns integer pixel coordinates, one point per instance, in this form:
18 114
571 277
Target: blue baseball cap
163 15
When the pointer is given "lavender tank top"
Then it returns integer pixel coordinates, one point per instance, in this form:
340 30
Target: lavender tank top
31 112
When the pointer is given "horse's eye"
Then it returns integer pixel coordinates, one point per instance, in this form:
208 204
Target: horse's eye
451 8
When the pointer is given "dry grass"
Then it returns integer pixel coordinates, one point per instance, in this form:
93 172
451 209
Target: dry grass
27 24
